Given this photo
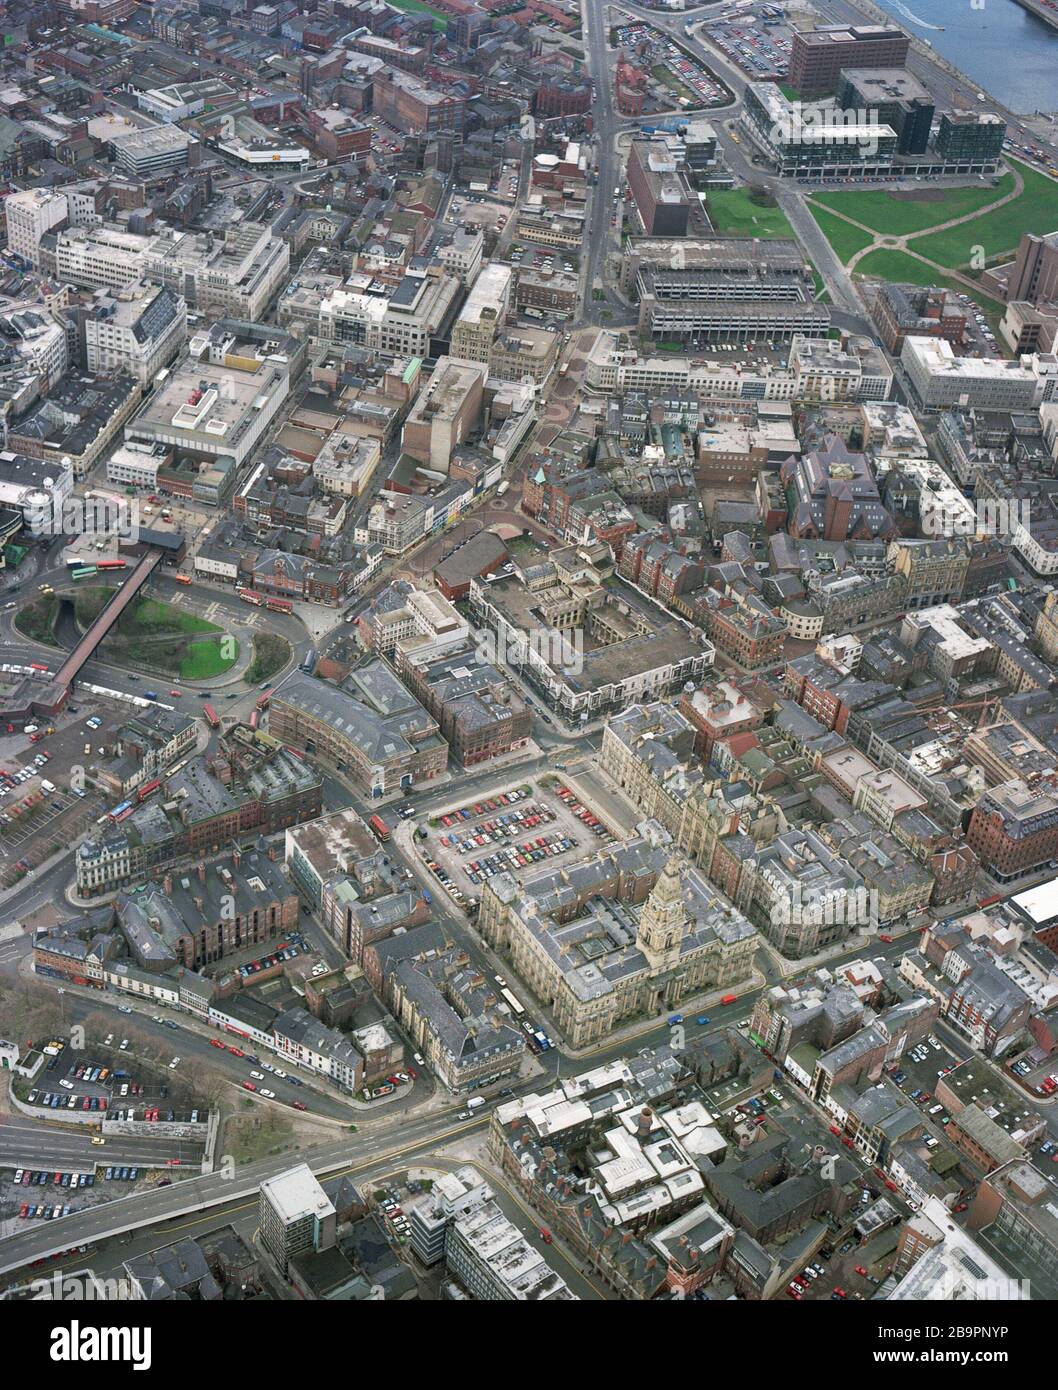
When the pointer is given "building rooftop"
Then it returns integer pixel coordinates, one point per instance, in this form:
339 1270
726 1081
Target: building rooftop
296 1195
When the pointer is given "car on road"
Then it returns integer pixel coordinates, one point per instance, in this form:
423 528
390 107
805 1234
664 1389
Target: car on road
248 1086
257 1076
268 1095
299 1105
702 1020
174 1064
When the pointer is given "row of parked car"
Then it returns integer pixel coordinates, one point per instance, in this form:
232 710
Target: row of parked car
387 1087
582 813
492 831
266 962
44 1211
469 905
39 1177
518 856
480 808
54 1100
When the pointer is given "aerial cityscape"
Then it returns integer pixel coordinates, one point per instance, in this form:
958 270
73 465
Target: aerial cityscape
529 673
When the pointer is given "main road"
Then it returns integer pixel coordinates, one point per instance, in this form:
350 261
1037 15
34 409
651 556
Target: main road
393 1139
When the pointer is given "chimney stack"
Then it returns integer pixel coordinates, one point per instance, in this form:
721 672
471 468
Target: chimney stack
202 871
167 885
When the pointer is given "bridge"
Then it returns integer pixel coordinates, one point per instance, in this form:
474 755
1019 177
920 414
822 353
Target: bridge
33 698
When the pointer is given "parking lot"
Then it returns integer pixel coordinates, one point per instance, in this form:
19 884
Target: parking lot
917 1073
45 1194
761 50
105 1083
1036 1074
45 800
513 830
979 340
677 76
544 259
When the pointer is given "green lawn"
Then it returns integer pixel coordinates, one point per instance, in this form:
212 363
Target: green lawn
162 638
897 267
845 239
1035 210
890 215
732 213
204 660
440 21
150 615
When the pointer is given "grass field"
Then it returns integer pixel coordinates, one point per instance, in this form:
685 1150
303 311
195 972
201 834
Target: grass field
889 215
899 268
149 616
845 239
732 213
163 638
996 233
1034 210
204 659
440 21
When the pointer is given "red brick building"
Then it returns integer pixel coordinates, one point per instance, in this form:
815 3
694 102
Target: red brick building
1014 829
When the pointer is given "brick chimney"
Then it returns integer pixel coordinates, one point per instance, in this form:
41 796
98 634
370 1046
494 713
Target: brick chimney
202 871
236 856
167 885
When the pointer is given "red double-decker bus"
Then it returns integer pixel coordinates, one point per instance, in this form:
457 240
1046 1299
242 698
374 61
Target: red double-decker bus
255 715
147 788
211 717
279 605
379 826
249 596
262 700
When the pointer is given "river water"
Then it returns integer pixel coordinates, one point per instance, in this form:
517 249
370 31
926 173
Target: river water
1009 52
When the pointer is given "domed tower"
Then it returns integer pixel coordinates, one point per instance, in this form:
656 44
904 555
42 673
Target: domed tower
664 919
